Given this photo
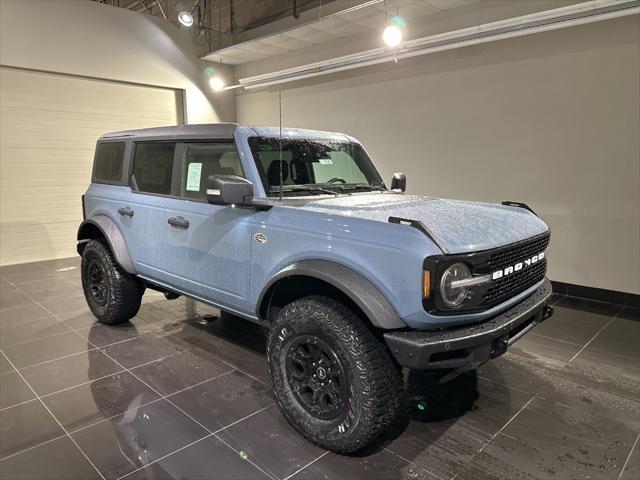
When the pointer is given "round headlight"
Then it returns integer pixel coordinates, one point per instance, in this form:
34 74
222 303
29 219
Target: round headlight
452 295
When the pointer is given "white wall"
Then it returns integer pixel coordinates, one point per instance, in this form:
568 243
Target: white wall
551 119
90 39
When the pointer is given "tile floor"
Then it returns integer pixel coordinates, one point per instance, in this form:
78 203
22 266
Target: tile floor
177 395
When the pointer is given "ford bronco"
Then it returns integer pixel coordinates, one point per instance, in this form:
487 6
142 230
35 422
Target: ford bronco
297 231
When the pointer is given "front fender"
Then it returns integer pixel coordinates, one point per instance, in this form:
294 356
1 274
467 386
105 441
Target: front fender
112 235
368 298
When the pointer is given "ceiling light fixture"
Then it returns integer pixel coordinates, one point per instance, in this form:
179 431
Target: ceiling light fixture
392 36
216 83
185 18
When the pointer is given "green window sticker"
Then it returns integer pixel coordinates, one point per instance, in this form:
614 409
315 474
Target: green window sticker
193 177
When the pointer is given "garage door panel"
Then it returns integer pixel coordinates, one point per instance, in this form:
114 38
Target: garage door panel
19 182
44 193
42 91
70 127
91 108
90 124
47 197
49 125
23 182
50 238
72 178
94 120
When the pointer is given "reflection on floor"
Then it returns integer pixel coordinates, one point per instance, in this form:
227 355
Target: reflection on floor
175 394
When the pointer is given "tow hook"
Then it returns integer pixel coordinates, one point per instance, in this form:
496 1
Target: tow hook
547 311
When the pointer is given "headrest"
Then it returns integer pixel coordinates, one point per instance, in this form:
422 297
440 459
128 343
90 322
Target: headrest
273 174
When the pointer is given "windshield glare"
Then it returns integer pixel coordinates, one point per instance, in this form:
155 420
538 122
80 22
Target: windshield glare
313 166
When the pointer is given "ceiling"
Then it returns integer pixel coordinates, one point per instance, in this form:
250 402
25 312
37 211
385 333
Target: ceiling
367 17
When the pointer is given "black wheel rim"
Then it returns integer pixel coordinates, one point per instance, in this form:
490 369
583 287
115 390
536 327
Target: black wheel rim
97 282
316 377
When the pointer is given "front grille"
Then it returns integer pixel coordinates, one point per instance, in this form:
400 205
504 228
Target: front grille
505 256
486 262
506 287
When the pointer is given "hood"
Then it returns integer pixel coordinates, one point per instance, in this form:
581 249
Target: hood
459 225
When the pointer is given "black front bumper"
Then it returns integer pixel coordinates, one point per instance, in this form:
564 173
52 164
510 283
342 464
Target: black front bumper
470 346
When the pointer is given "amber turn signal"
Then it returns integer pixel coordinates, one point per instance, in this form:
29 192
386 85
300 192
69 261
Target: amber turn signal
426 284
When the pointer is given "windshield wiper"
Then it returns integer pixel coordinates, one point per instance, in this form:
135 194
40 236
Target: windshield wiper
354 186
303 188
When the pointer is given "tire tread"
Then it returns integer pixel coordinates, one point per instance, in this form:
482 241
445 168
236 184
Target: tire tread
384 386
125 289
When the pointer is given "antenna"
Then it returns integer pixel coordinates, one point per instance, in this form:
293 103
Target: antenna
280 137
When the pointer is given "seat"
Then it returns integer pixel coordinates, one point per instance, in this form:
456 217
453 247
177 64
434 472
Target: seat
273 173
226 171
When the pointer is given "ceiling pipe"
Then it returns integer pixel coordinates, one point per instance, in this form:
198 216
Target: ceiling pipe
578 14
296 15
139 6
161 9
136 6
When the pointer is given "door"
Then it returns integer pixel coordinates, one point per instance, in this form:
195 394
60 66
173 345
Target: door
198 248
49 125
143 209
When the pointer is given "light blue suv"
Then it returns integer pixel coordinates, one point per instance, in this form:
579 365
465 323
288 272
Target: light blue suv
296 230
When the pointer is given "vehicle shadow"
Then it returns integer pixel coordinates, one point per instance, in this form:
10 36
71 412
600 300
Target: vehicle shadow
429 404
233 330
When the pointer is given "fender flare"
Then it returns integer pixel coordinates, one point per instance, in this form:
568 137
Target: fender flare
114 238
361 291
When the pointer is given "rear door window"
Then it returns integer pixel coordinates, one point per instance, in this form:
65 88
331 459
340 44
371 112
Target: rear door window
153 166
108 162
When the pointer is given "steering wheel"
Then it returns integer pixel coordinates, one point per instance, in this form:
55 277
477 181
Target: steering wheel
337 179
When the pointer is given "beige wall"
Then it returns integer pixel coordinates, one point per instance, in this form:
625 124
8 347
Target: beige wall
86 38
551 119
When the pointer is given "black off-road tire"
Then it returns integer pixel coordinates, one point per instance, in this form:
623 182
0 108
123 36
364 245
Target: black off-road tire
121 291
373 381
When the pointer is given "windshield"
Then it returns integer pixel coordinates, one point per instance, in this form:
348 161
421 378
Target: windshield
310 166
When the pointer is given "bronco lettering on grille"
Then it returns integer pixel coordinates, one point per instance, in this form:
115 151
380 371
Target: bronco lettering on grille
517 267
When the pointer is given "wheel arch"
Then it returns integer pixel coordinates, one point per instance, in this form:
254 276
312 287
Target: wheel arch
308 276
101 227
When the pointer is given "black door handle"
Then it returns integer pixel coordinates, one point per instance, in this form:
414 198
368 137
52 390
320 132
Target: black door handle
125 212
178 222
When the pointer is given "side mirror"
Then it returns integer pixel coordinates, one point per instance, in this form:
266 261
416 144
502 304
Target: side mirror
229 190
399 181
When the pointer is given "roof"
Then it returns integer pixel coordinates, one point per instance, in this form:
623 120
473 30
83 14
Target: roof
209 130
292 133
219 131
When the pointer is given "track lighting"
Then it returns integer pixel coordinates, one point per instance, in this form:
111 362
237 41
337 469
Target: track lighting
185 18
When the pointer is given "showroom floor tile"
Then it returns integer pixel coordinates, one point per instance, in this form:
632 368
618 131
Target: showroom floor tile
180 394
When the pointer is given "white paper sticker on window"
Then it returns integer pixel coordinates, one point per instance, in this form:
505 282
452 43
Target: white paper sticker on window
325 161
193 177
